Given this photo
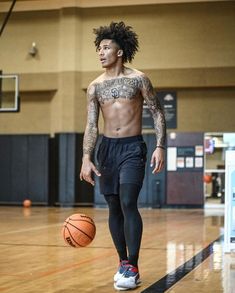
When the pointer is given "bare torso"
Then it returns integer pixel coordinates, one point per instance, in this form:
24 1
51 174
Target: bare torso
121 104
119 94
120 100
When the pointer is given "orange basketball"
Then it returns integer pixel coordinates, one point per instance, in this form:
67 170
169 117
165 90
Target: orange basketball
27 203
207 178
78 230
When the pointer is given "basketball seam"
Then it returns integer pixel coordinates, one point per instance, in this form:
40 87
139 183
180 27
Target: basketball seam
80 229
77 220
73 237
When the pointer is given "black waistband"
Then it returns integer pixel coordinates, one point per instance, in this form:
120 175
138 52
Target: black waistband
127 139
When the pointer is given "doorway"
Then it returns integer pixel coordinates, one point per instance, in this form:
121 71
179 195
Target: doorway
215 145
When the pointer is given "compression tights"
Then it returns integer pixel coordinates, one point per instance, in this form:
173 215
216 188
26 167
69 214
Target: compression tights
125 222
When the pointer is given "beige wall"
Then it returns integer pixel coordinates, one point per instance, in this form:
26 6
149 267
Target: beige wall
185 47
34 116
208 110
171 36
20 32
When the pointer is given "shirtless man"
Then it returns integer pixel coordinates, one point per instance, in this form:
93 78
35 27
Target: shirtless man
119 93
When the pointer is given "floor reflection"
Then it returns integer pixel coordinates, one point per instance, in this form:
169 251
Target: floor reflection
182 252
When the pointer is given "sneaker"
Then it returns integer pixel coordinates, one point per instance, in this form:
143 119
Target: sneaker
121 270
130 279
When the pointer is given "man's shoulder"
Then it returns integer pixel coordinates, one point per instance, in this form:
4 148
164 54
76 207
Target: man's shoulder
98 79
135 73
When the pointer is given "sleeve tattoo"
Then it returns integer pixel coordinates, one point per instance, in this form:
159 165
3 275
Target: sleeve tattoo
91 131
154 105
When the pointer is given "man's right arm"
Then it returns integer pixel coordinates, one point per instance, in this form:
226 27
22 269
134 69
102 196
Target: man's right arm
90 136
91 131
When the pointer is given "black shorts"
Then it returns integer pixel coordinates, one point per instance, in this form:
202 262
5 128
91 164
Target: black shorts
121 160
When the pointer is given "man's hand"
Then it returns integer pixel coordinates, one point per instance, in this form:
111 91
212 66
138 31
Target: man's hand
158 160
86 171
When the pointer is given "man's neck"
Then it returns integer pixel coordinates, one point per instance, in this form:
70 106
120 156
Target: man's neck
114 71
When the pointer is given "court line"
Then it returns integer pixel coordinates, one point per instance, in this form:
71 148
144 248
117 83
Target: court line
39 275
66 245
33 245
30 229
51 245
175 276
72 266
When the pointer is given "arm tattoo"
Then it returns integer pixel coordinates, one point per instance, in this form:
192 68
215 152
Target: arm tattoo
154 105
91 131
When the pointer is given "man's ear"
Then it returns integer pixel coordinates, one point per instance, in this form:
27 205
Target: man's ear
120 53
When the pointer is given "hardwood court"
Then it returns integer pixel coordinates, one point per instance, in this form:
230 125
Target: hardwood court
34 257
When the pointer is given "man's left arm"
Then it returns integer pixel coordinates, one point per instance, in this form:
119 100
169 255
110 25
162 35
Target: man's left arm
150 97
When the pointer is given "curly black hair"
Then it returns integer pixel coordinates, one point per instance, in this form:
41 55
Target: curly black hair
121 34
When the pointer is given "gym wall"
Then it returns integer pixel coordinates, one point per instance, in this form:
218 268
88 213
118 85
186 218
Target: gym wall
187 47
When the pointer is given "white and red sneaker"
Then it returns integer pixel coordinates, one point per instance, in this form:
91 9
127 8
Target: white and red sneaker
121 269
130 279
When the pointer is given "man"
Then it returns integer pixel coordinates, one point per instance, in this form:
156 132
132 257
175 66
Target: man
119 93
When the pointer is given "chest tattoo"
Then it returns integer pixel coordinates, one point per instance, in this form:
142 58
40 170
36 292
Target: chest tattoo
118 88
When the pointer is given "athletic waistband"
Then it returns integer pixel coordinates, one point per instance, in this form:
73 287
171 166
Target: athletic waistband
127 139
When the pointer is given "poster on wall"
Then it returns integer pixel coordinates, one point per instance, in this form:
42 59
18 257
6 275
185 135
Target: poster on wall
189 162
180 162
171 159
168 102
198 162
198 150
190 157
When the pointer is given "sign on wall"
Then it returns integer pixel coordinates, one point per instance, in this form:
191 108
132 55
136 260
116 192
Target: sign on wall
189 158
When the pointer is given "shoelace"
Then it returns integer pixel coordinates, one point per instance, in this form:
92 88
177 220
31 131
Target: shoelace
130 271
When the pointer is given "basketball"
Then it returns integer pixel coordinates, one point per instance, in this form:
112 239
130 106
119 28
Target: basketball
27 203
78 230
207 178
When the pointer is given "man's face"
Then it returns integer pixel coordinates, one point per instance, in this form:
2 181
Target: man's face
109 52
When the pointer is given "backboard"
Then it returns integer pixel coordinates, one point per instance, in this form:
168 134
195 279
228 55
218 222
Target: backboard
9 93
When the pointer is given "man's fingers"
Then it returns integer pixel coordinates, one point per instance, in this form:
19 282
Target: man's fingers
158 167
81 176
96 171
152 161
88 179
86 173
92 182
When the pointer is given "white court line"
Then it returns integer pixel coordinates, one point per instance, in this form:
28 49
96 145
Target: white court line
31 229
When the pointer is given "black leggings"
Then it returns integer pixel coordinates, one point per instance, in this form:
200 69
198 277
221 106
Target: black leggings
125 222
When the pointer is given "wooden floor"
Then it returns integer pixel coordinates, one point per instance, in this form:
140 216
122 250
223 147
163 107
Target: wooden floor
35 259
